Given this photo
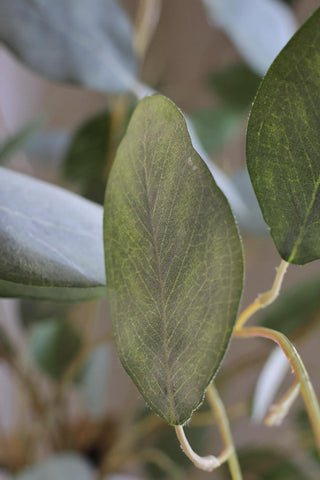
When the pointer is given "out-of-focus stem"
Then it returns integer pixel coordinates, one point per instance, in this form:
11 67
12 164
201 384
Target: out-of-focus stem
224 427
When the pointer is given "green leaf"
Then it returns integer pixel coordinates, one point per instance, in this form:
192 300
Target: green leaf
35 311
174 262
86 157
63 466
54 343
17 141
216 127
235 86
93 382
91 151
50 241
258 29
283 146
88 43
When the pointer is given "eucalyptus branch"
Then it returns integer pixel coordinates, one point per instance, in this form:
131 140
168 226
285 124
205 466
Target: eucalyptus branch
264 299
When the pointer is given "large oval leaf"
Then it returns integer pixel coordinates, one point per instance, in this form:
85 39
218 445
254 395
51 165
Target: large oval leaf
173 261
283 146
50 241
87 42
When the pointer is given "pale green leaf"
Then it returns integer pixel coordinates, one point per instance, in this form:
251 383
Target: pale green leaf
87 42
258 29
63 466
173 261
93 381
283 146
51 242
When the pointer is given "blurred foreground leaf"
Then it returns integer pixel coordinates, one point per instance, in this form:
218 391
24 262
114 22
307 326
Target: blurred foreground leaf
283 146
88 43
258 29
50 241
54 344
174 262
63 466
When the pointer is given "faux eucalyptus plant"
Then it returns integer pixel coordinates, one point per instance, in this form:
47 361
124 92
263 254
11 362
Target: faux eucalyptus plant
168 254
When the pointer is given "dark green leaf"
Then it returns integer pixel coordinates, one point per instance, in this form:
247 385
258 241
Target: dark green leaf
86 155
35 311
174 262
283 146
63 466
294 311
50 241
88 43
236 86
54 343
17 141
93 381
216 127
86 158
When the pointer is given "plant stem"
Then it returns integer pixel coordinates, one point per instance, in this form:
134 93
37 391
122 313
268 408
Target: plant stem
264 299
208 463
224 427
298 368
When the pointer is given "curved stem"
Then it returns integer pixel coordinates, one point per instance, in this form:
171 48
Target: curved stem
264 299
298 368
208 463
224 427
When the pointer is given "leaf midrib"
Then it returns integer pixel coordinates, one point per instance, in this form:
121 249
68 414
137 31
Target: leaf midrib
162 300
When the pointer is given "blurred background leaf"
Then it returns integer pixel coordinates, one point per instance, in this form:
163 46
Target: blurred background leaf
296 310
14 144
54 344
93 381
267 464
235 86
63 466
